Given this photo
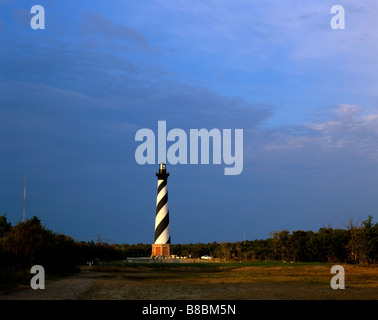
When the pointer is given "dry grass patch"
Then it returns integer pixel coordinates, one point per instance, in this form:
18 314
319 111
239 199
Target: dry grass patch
233 281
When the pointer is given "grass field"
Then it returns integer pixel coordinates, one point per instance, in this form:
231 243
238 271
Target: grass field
245 280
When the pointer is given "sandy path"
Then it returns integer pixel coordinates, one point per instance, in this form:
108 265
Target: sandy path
72 288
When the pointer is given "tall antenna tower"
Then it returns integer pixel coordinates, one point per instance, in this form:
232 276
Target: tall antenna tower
24 199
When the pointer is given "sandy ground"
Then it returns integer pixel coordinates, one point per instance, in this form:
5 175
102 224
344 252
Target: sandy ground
240 284
71 288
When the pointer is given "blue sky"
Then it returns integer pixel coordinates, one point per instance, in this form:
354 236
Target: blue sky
73 96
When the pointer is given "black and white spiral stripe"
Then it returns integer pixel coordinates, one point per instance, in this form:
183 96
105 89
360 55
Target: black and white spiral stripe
162 230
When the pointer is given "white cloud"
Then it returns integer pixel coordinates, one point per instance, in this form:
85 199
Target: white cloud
348 130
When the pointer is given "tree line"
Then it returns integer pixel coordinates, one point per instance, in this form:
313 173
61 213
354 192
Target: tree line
356 244
29 243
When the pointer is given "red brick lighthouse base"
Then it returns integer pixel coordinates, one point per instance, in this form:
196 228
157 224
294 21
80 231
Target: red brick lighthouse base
161 250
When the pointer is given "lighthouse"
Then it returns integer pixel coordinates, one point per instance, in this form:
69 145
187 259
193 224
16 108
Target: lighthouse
161 246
